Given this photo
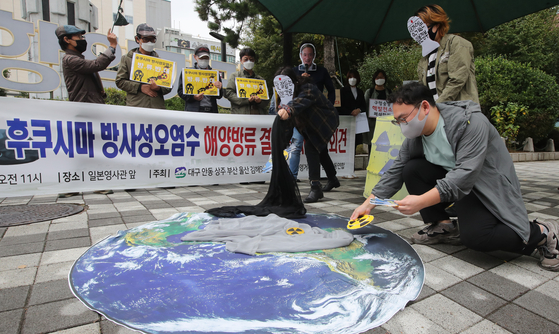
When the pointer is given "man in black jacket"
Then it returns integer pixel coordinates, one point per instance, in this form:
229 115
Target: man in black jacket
200 102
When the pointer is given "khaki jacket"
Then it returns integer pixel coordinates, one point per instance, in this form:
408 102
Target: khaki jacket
455 70
134 95
241 105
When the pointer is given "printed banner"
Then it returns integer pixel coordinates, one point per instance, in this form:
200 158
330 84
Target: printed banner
196 81
247 87
378 108
49 147
145 68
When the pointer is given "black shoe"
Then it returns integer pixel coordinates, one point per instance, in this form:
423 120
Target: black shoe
331 184
315 194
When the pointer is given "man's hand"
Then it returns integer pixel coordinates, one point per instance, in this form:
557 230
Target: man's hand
363 209
218 84
251 99
147 90
198 97
305 74
283 114
111 37
410 204
355 112
257 99
153 86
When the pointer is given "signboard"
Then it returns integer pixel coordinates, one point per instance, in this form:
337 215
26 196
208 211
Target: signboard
50 147
247 87
146 68
379 108
195 81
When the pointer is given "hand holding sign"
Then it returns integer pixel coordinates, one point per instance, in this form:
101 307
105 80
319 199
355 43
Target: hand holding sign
284 88
419 32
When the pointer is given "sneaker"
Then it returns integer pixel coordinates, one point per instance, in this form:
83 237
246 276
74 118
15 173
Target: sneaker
437 233
549 252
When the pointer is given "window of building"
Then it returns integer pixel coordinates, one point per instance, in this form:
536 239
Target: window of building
71 13
46 10
231 59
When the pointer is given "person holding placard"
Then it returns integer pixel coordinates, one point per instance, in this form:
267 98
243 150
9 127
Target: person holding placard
453 154
378 91
200 102
448 70
316 119
138 94
353 101
253 105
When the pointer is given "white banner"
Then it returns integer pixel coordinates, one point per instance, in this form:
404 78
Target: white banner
49 147
378 108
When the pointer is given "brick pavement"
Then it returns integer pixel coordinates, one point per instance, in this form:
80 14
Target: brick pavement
465 291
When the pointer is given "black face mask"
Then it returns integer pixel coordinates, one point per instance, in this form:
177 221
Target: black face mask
81 45
432 34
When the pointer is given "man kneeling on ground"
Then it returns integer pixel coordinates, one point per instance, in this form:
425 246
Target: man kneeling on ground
453 154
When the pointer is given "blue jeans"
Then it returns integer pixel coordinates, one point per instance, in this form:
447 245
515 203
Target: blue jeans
295 149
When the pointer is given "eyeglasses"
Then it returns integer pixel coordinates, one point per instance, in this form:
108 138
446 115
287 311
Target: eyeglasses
402 119
148 39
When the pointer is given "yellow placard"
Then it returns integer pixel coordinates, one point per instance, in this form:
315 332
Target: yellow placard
196 81
247 87
145 68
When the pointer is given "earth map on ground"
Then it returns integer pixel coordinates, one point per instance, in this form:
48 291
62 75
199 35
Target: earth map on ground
149 280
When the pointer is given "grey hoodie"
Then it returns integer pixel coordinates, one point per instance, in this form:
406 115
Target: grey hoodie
483 165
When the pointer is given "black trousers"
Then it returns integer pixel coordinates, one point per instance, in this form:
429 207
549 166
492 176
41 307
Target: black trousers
315 159
479 228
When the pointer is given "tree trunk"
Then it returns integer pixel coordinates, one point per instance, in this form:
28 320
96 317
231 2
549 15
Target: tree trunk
329 55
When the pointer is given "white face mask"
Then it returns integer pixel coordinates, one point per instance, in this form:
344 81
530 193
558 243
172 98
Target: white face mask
380 82
414 127
249 65
203 63
352 81
148 46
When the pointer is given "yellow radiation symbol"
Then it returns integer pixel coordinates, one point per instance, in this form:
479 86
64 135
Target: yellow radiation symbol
295 230
360 222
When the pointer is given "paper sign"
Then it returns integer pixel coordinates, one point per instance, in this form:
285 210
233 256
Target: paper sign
379 108
361 123
284 87
247 87
195 81
145 68
380 201
419 32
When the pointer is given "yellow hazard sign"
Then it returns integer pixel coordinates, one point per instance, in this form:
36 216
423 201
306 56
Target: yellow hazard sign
145 68
295 231
195 81
360 222
247 87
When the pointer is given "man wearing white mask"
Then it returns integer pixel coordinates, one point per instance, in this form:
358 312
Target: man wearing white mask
145 95
252 105
200 102
452 153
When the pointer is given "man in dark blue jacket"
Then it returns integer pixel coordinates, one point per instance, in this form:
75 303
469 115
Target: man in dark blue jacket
200 102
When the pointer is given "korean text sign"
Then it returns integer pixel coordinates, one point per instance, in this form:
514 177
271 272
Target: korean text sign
145 68
49 147
200 82
247 87
379 108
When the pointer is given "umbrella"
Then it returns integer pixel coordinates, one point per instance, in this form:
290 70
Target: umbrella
379 21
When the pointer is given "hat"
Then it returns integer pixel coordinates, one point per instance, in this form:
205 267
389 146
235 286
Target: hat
145 30
68 30
202 51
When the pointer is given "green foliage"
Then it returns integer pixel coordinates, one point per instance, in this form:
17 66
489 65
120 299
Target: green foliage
241 12
504 118
504 81
115 96
398 61
175 103
530 39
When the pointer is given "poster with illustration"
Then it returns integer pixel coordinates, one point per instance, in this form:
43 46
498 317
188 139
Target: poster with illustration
145 68
247 87
419 32
196 81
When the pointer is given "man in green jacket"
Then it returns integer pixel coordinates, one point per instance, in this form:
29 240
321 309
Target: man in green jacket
145 95
253 105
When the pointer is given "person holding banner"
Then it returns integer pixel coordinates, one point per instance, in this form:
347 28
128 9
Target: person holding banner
240 105
353 101
316 119
448 70
378 91
452 153
82 75
145 95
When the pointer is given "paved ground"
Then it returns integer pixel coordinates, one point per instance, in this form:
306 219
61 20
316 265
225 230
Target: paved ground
465 291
